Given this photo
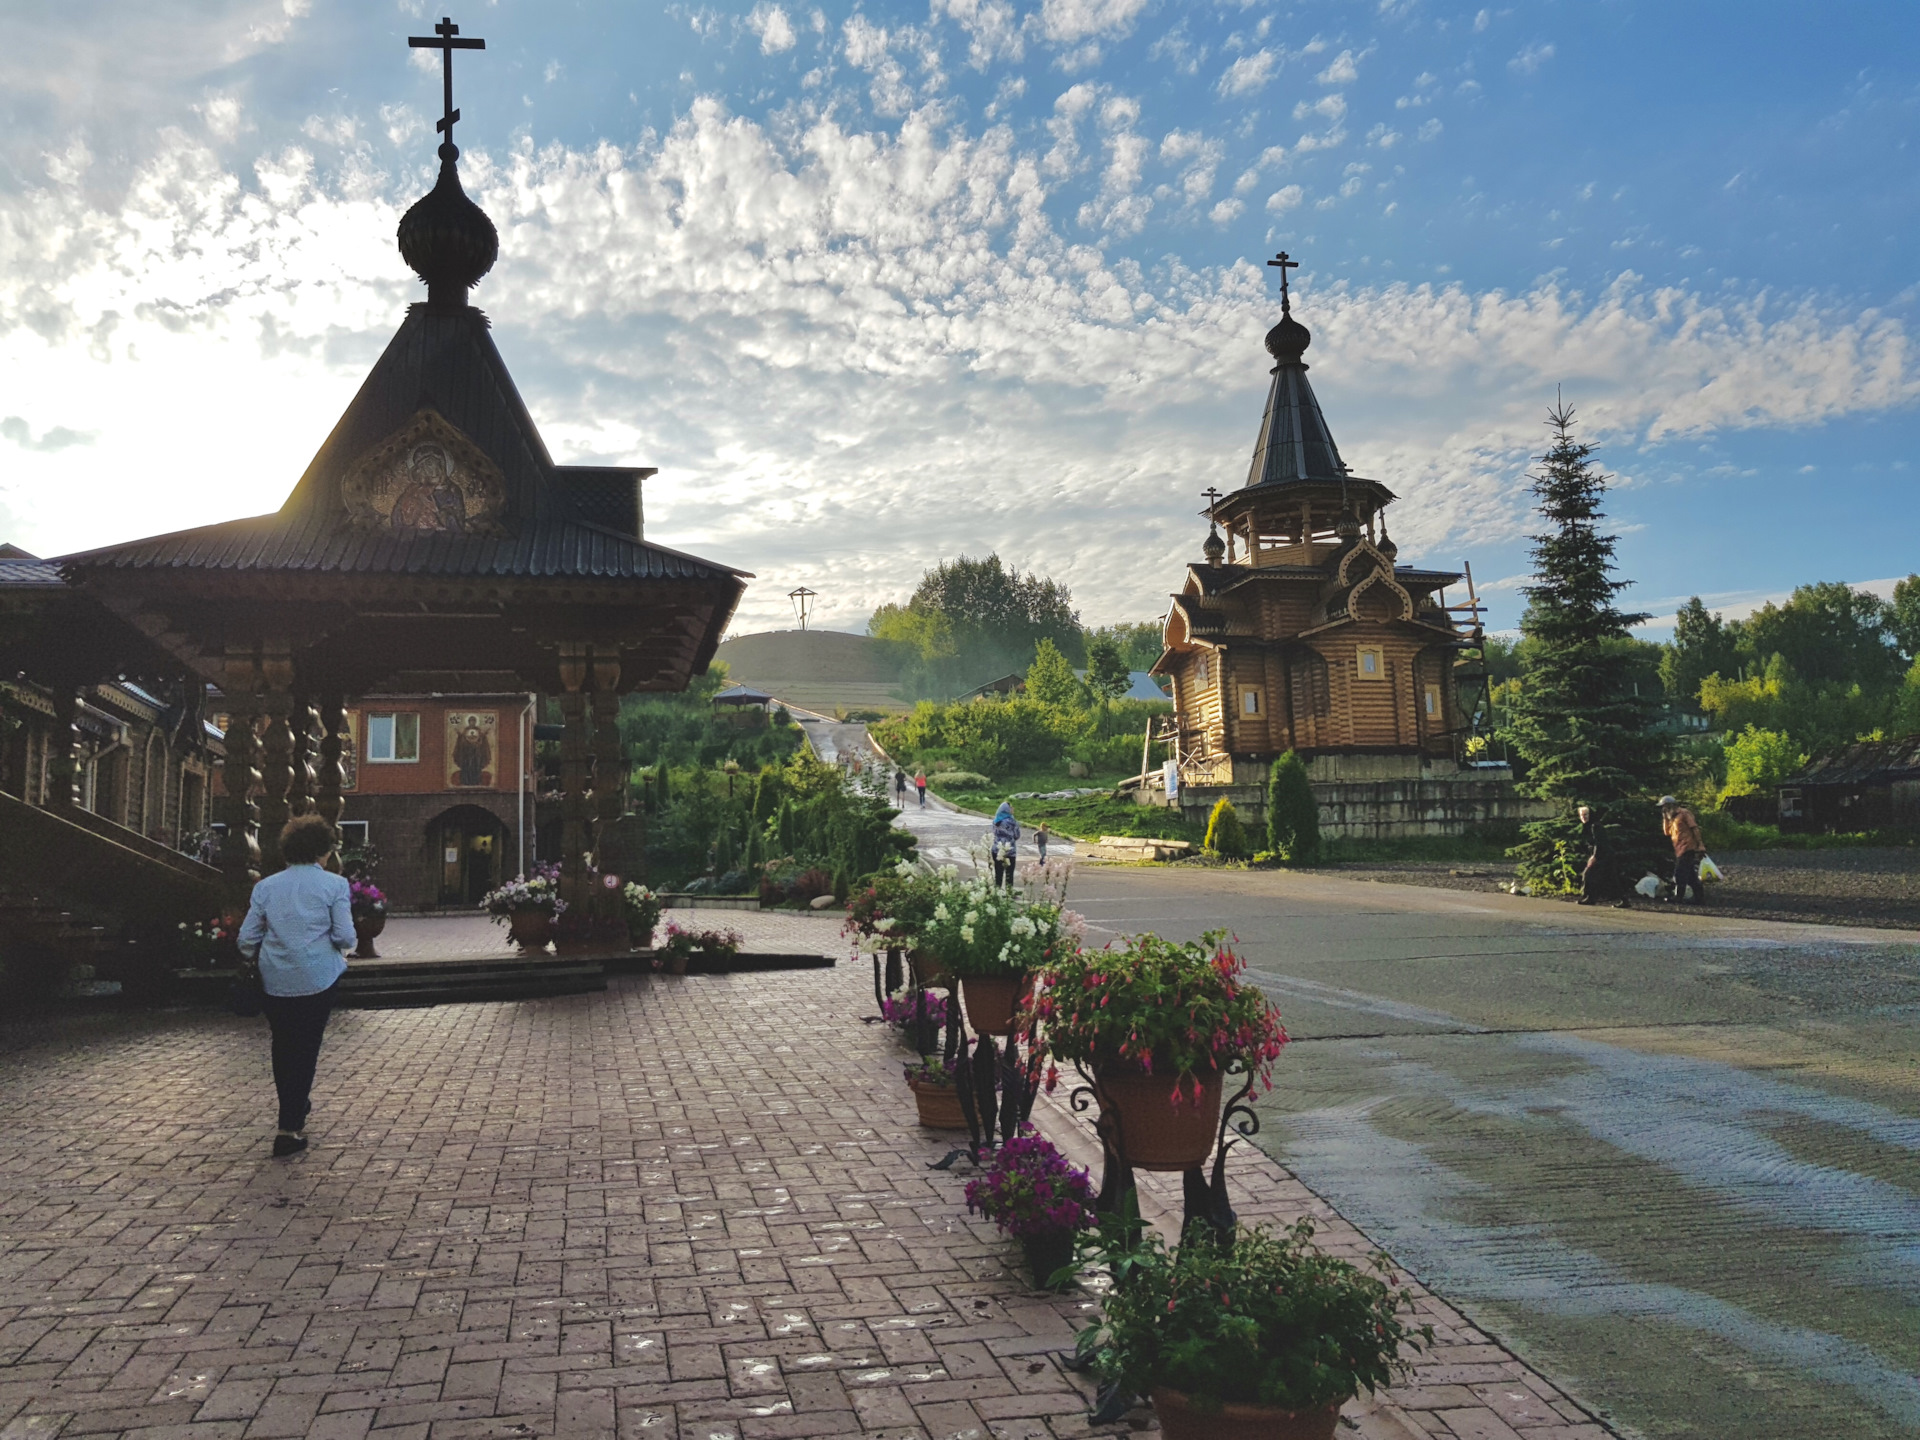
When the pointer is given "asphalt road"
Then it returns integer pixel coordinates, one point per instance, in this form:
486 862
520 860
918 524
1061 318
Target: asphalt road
1675 1162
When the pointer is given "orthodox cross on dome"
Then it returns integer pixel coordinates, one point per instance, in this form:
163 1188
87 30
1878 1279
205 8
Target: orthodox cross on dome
444 40
1280 262
1212 496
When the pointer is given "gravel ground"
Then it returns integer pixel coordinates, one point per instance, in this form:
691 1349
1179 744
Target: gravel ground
1877 887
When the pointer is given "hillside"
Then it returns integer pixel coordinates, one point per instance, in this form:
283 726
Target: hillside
823 670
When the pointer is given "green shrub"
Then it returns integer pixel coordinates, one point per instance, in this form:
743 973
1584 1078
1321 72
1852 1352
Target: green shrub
1226 836
1293 815
1758 760
959 780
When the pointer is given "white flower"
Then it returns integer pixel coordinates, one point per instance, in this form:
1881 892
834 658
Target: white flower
1006 949
973 918
883 925
941 913
966 933
1022 926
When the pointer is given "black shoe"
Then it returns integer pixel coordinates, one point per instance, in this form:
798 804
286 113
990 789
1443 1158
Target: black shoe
285 1145
1583 900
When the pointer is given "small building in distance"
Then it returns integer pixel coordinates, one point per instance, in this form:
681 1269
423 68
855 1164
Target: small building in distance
1873 785
1299 629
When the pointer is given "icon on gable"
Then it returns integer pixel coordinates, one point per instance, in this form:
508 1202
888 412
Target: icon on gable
426 478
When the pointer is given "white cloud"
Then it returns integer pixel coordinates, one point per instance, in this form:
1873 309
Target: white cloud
1248 73
824 334
1284 199
1482 20
993 30
1342 71
869 47
1066 22
771 24
1383 137
1227 211
1431 129
1529 60
222 114
1333 108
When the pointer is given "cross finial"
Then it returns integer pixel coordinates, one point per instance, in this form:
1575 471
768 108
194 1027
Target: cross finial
443 39
1283 264
1212 496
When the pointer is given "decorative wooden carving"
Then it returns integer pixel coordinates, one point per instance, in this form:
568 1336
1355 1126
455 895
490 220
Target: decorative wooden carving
331 773
576 769
276 752
425 478
609 784
240 852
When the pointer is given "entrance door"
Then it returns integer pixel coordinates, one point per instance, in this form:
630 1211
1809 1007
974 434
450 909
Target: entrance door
469 855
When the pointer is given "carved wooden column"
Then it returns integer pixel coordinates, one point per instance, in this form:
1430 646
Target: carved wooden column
240 852
306 744
330 775
609 788
276 753
576 769
63 764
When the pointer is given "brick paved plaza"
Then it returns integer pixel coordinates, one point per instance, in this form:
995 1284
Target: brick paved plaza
687 1208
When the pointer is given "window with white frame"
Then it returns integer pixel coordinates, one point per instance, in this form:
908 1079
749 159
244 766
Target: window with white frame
393 739
1370 664
1250 702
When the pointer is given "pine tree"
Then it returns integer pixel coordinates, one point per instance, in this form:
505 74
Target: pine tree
1293 815
1585 733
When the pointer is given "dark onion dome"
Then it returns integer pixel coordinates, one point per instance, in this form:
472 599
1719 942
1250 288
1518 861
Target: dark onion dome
1386 546
1214 548
447 239
1288 340
1348 526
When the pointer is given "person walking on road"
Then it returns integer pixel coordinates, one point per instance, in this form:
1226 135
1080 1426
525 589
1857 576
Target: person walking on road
298 923
1682 827
1596 880
899 788
1006 844
920 784
1040 838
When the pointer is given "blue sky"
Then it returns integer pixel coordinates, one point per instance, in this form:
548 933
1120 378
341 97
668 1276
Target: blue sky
878 284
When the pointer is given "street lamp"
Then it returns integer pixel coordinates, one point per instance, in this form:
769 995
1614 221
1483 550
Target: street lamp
802 599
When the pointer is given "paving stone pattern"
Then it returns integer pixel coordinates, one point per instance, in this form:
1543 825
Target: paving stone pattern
689 1208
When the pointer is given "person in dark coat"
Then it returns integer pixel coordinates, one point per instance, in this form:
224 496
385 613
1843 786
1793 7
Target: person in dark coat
1596 878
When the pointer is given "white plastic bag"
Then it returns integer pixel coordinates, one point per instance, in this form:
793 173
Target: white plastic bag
1709 870
1649 885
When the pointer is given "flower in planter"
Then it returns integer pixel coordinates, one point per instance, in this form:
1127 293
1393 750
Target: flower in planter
642 907
1157 1007
686 943
977 929
933 1070
1261 1319
902 1010
1032 1189
208 942
366 897
540 892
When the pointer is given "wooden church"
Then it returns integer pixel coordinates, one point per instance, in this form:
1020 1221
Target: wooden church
1300 630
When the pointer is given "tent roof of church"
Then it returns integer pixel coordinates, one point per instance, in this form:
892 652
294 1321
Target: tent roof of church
1294 443
441 368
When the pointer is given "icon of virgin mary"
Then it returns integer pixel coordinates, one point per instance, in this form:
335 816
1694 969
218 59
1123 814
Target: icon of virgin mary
472 753
430 499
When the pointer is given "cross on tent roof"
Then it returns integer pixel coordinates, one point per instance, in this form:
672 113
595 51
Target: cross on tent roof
1280 261
1212 497
443 40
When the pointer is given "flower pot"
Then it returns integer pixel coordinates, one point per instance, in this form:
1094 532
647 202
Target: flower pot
939 1106
368 925
530 929
1180 1421
928 970
1139 1118
1048 1253
991 1001
674 962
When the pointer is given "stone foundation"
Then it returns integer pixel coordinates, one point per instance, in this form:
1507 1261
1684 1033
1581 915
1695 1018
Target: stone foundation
1361 797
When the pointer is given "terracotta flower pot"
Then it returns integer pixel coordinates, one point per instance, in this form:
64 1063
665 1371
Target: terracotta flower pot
991 1001
530 929
367 926
1180 1421
674 961
928 970
939 1106
1153 1132
1047 1255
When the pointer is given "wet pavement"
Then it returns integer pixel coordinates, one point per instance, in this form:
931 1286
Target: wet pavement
1674 1162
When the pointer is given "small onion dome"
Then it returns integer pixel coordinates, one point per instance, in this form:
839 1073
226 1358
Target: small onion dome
1386 546
1215 548
1348 526
1288 340
447 239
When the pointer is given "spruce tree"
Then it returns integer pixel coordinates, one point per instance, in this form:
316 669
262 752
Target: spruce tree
1293 815
1586 735
1226 836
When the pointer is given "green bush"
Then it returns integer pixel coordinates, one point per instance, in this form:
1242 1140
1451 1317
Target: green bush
1758 760
959 780
1293 815
1226 836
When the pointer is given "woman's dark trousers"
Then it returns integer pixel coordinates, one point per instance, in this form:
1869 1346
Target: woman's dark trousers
298 1022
